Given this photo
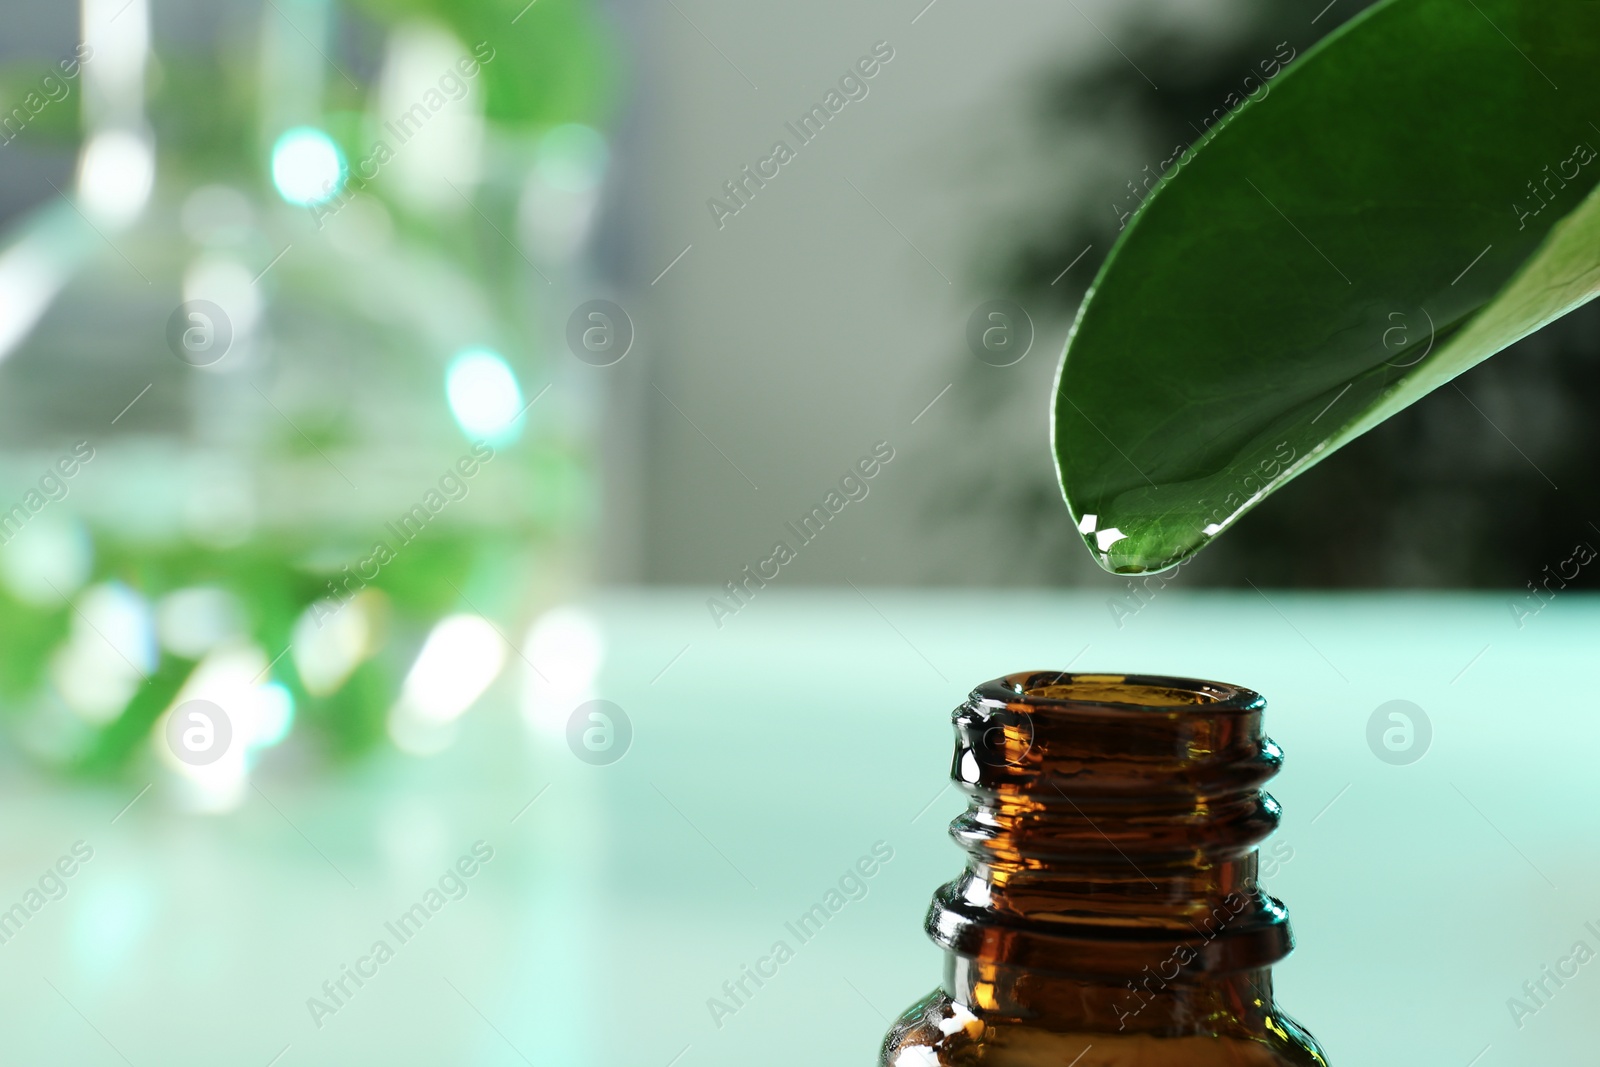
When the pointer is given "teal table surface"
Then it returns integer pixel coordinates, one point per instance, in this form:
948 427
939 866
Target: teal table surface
608 904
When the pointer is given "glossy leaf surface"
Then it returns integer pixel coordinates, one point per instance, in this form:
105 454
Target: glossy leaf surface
1388 216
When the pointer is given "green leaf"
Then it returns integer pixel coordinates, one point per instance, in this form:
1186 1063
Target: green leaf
544 62
1386 215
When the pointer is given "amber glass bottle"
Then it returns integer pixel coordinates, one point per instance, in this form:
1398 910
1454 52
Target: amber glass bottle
1109 915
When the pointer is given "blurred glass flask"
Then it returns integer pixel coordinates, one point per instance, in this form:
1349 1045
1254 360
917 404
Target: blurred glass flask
256 358
1110 914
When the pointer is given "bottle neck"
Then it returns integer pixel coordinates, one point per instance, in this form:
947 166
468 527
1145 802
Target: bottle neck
1155 1003
1112 874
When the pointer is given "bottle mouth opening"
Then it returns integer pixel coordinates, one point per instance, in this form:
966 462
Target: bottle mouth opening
1130 692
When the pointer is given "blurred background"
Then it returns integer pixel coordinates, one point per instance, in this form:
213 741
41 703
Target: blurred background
366 364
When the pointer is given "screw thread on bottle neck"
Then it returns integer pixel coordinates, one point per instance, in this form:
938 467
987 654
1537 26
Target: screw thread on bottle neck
1111 833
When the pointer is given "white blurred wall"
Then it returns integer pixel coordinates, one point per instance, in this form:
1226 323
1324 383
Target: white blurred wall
829 311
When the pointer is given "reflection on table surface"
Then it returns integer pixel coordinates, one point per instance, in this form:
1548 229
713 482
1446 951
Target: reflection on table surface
532 907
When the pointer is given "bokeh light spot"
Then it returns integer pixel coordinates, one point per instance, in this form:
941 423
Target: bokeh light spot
307 167
484 396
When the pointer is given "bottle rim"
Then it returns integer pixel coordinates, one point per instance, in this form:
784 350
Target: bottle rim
1113 692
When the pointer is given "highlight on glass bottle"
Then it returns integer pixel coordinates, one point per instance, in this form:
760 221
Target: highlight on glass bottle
1110 914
